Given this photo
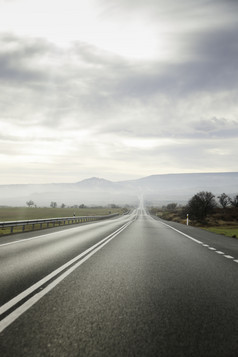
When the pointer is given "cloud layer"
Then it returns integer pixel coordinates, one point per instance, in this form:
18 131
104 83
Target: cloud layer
69 112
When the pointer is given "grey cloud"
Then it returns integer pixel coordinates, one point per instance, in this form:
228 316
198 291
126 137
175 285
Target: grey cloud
175 117
212 67
96 56
219 44
93 87
211 125
11 71
16 55
22 47
216 65
26 139
170 7
106 78
209 48
190 153
216 128
84 87
183 154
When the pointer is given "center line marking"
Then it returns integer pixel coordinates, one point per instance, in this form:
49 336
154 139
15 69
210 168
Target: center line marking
25 306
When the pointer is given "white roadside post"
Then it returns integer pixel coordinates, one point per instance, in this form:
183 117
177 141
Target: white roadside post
187 219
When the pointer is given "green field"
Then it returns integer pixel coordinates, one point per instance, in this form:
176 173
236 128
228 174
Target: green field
24 213
226 230
27 213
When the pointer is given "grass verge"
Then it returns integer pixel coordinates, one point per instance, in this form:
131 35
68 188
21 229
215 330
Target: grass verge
226 231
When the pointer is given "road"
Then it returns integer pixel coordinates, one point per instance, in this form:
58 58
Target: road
132 286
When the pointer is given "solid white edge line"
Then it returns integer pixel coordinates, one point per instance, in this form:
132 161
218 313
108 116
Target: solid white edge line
29 303
199 242
186 235
44 280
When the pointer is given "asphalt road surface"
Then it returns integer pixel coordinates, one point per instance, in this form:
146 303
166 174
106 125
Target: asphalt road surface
131 286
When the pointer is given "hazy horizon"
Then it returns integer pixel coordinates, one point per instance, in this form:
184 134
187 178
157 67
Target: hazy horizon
118 181
155 188
119 90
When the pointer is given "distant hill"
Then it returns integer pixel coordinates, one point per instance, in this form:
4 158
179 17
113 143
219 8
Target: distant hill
158 189
181 187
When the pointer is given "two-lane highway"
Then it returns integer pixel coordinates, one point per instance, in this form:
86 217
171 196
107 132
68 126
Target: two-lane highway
133 286
28 259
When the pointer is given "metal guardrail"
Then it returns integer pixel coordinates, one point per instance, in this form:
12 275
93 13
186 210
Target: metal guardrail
47 221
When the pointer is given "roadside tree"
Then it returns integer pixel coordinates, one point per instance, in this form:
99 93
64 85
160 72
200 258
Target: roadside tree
200 205
234 201
171 206
224 200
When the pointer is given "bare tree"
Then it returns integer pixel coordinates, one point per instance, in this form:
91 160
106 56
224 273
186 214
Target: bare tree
30 203
224 200
234 201
200 205
171 206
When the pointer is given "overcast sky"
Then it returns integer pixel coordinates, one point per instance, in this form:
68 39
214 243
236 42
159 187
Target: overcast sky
117 89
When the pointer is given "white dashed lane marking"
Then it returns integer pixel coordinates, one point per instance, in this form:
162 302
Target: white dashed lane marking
229 257
203 244
219 252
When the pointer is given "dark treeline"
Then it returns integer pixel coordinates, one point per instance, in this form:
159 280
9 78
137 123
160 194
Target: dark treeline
202 205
